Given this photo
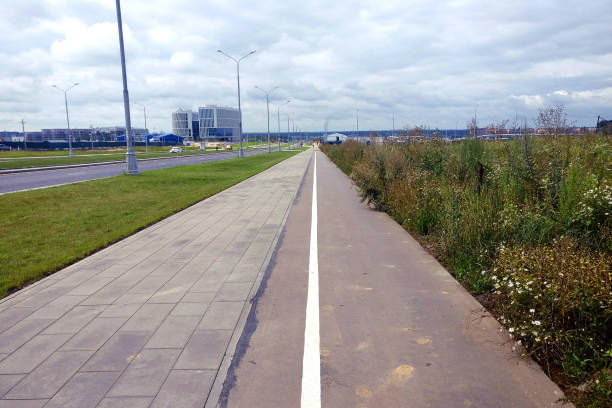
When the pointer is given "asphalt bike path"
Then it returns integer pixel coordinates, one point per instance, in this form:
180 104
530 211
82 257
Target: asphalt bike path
394 328
153 320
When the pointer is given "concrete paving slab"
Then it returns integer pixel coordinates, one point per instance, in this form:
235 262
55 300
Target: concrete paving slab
50 376
125 402
95 334
174 332
74 320
22 403
84 390
190 309
198 297
148 317
221 316
13 315
118 351
205 350
146 373
32 353
121 310
20 333
8 381
234 291
185 389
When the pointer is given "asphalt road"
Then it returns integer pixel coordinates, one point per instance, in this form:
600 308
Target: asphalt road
39 179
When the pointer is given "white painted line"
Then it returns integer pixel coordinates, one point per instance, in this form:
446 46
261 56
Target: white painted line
311 366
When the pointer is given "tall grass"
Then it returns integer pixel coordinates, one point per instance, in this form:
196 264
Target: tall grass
524 224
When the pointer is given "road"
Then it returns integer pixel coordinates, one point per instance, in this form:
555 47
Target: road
39 179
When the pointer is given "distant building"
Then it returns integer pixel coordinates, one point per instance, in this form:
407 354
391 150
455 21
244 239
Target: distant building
167 138
182 123
62 134
100 133
210 123
113 132
219 124
11 137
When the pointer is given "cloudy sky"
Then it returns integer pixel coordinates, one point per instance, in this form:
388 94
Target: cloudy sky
428 62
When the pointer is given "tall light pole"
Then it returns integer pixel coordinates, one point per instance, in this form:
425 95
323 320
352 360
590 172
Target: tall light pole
288 119
268 93
144 110
278 117
237 61
25 146
65 91
131 167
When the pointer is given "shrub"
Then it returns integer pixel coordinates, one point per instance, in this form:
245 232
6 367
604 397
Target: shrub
556 301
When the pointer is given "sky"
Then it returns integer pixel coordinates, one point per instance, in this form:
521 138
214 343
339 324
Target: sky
433 63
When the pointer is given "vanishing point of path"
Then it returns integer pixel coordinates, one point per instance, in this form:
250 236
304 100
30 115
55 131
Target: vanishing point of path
282 291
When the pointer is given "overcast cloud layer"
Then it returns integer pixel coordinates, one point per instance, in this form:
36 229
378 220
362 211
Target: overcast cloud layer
429 62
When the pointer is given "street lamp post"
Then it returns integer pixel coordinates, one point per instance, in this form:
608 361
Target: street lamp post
65 91
237 61
278 117
268 108
131 167
144 110
288 119
25 145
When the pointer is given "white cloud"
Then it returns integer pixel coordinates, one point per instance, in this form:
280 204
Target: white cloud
429 62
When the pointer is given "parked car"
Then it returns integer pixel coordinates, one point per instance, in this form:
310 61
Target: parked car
4 147
228 147
176 149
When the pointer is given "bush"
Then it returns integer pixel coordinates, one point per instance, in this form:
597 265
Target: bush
556 300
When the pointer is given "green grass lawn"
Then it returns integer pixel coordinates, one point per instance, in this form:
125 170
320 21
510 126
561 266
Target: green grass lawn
45 230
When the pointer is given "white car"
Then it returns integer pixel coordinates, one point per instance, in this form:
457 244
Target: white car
176 149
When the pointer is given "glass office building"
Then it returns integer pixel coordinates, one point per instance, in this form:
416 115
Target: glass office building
182 123
219 124
209 123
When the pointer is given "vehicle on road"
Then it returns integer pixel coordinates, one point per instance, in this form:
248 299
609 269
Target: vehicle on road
176 149
4 147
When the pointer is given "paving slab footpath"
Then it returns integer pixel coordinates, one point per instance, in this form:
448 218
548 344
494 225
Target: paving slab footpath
153 320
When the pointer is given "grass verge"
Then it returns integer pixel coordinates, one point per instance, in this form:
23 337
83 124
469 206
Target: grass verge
45 230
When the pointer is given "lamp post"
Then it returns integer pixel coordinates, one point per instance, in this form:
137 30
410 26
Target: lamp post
268 108
288 119
131 167
237 61
65 91
278 117
25 146
144 110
